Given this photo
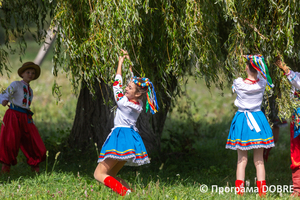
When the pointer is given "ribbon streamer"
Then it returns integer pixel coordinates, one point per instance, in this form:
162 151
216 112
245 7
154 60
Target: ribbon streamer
258 63
151 95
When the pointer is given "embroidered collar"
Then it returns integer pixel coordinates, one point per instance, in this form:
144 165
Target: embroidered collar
24 82
252 81
136 103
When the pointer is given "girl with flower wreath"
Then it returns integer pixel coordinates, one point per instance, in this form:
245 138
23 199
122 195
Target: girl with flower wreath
249 128
124 146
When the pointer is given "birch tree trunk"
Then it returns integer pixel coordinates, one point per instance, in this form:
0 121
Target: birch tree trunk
49 40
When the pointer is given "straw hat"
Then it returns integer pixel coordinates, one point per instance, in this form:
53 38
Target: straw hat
30 65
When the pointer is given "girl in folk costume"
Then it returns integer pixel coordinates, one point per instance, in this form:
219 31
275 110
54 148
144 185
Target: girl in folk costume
294 78
18 129
124 146
250 128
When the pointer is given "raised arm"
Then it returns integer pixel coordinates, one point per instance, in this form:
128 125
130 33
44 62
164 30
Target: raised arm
118 83
121 60
294 77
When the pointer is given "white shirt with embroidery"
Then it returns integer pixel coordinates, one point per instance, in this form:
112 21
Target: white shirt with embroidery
127 112
249 96
18 94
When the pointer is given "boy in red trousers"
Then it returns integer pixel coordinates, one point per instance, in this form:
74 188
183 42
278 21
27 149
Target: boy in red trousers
18 129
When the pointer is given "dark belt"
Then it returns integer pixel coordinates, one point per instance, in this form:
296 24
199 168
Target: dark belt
22 110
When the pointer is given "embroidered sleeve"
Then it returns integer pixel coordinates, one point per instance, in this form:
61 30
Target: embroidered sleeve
8 93
117 87
294 78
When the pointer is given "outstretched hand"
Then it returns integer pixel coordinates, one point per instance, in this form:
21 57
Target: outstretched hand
125 53
122 56
279 63
121 59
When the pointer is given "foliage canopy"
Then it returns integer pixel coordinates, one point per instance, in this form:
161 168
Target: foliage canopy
166 39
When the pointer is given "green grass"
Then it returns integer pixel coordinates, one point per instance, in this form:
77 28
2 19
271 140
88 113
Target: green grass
192 151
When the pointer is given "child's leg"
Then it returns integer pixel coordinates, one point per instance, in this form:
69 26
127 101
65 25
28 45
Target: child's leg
241 164
103 168
103 171
114 171
260 170
259 164
32 145
240 172
10 138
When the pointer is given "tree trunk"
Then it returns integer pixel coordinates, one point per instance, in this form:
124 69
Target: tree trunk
49 40
94 120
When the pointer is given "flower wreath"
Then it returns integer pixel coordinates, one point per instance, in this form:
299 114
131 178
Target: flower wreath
151 95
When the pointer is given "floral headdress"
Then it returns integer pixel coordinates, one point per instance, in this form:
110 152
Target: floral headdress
258 63
151 95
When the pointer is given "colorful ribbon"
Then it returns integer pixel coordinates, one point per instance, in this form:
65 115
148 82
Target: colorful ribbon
151 95
258 63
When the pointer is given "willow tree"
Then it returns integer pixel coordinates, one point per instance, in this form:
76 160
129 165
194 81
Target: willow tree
165 40
270 28
18 18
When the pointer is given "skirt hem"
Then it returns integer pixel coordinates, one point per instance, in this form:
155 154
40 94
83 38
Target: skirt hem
250 147
130 160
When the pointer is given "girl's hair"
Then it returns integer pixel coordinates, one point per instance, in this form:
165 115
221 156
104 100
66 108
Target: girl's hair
140 89
252 69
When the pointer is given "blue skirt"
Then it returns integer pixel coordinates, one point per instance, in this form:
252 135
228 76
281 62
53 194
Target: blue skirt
124 144
243 138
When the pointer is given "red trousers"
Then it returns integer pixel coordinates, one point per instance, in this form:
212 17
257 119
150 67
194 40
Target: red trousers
295 149
20 132
295 158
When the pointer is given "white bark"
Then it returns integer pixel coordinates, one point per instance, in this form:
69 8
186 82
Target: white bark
50 38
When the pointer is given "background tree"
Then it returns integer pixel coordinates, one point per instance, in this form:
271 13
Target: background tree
269 28
18 18
165 40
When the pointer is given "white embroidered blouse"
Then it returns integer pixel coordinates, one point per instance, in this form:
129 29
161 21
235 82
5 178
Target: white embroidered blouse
249 96
127 112
18 93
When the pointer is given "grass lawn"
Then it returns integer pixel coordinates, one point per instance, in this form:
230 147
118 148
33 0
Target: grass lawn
192 153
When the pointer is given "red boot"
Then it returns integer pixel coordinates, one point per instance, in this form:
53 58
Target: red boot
5 168
116 186
239 187
262 189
